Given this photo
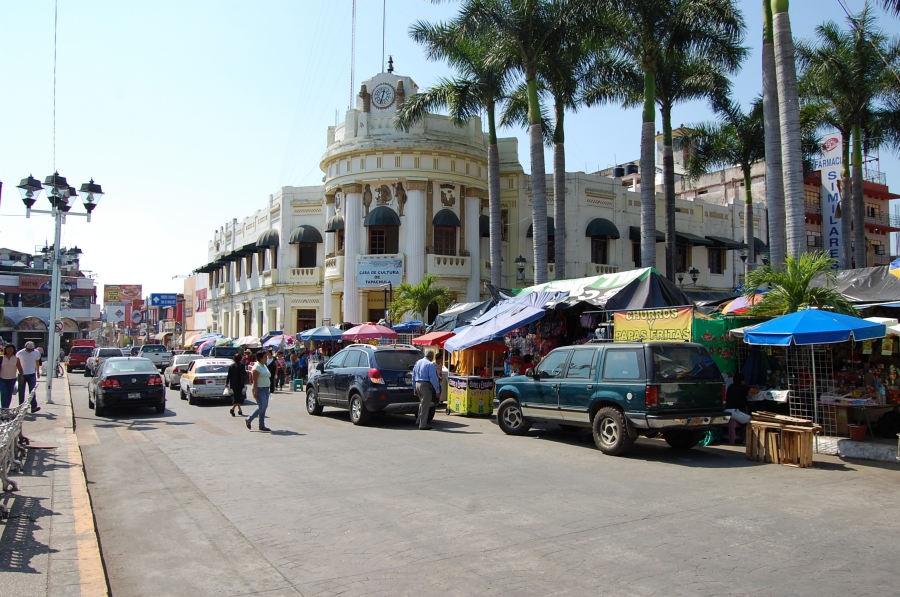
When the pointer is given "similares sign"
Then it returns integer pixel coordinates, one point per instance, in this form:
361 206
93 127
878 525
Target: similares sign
830 164
668 323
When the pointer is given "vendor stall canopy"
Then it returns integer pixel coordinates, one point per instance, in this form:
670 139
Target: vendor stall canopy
458 315
867 285
812 326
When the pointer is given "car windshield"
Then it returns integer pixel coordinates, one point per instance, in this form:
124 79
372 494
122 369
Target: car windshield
186 358
155 348
82 350
129 366
397 360
226 351
684 363
212 369
110 352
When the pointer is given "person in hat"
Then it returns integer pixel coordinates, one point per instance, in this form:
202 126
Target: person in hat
30 361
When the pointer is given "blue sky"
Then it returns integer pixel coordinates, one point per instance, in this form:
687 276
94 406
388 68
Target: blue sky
191 112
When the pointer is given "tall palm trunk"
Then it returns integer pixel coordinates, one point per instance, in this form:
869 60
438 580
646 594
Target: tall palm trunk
495 231
538 178
748 217
859 205
789 113
668 166
846 207
774 175
648 172
559 192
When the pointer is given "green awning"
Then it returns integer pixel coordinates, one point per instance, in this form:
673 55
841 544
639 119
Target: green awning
634 233
305 234
446 217
551 230
382 216
685 238
601 227
334 223
267 239
726 243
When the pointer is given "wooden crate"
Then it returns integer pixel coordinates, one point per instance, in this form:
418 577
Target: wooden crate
788 442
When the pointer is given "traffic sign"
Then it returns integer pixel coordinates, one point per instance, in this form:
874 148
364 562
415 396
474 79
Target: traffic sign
163 300
59 326
136 317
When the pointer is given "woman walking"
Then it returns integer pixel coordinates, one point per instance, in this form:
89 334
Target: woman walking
235 382
10 368
280 369
262 378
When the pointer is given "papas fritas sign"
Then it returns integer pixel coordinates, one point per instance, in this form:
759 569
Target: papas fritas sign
668 323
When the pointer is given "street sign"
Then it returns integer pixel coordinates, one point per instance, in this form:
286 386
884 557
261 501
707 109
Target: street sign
163 300
59 327
136 317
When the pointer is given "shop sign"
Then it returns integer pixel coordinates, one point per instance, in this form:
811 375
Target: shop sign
669 323
830 165
113 293
378 272
44 283
115 314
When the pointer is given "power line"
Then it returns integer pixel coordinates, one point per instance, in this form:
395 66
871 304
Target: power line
863 33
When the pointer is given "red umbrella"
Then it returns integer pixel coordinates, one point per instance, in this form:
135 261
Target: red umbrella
433 339
368 331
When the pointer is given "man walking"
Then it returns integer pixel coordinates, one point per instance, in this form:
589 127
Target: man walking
426 387
30 359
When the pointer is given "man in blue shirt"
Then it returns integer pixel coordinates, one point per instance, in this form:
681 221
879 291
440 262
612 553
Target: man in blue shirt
426 386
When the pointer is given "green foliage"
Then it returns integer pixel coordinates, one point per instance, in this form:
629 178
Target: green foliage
791 287
417 298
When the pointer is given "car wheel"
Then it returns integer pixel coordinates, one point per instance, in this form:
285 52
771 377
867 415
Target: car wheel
90 402
312 402
99 409
510 418
431 412
682 440
182 395
610 432
191 400
161 408
358 413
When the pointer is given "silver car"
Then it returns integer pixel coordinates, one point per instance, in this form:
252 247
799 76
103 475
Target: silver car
96 360
172 374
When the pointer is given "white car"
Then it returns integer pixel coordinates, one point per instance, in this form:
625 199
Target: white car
96 360
172 374
205 379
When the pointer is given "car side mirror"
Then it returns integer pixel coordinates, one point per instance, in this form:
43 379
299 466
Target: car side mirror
530 373
320 367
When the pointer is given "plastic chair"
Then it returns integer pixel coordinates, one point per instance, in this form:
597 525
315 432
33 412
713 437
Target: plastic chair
732 435
297 384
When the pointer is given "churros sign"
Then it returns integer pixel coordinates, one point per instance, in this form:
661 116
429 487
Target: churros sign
671 323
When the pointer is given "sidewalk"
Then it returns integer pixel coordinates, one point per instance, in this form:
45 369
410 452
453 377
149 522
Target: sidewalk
48 545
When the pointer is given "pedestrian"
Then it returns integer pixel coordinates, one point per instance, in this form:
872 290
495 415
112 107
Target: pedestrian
262 378
303 366
280 370
272 364
235 382
292 366
10 369
426 387
30 366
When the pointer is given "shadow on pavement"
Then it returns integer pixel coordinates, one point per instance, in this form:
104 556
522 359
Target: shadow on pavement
18 544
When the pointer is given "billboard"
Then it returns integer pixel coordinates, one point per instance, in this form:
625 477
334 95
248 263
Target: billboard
669 323
113 293
200 301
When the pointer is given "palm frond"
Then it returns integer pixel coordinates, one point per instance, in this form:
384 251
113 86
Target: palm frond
791 289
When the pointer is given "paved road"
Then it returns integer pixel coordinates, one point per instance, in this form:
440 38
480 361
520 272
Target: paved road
191 503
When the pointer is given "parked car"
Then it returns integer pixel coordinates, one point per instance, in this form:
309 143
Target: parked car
98 357
366 379
159 354
172 373
78 356
127 381
620 391
204 379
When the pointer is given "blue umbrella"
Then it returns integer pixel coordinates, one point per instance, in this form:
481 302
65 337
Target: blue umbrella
321 334
407 327
813 326
206 337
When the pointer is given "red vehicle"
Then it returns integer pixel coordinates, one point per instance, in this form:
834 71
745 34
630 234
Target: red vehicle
79 353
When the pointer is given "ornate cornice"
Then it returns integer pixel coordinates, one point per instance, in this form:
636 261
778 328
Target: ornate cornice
416 185
353 187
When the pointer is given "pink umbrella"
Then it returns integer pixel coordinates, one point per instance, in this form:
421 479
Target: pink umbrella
368 331
741 304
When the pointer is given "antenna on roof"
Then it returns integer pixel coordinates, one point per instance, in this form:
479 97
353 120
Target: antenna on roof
352 59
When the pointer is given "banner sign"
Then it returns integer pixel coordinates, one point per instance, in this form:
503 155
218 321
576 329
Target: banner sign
669 323
378 272
113 293
830 165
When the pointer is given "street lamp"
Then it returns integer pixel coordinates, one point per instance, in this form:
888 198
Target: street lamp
388 290
61 197
520 268
694 273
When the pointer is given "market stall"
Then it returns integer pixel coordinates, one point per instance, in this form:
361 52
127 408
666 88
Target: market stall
471 382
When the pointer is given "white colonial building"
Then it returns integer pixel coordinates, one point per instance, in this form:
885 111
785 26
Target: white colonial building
398 205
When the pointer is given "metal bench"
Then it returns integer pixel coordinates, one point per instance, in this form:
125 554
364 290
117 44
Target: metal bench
12 446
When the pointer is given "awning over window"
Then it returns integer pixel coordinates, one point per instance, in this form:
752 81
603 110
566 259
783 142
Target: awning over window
382 216
685 238
551 230
602 227
759 246
484 226
334 223
446 217
267 239
305 234
634 234
726 243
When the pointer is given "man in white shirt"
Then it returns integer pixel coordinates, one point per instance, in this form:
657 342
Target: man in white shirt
30 359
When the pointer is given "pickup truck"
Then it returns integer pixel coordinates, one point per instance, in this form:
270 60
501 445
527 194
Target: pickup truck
619 391
158 354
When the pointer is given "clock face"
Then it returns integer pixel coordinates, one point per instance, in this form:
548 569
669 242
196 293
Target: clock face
383 96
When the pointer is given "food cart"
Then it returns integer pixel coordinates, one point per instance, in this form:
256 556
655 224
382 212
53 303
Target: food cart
471 386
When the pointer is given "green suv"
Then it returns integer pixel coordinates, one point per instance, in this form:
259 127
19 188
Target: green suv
620 391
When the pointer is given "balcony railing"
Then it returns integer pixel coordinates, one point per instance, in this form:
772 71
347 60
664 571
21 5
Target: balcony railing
334 267
270 277
875 176
597 269
883 219
304 275
450 266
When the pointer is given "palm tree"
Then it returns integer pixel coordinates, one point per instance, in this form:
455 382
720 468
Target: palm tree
774 173
480 86
417 298
853 70
645 30
791 289
891 6
523 28
789 117
735 139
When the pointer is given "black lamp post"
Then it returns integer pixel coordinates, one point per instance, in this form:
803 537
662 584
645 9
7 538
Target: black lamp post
520 267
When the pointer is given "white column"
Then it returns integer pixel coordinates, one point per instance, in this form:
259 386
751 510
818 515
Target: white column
353 235
415 231
473 245
326 301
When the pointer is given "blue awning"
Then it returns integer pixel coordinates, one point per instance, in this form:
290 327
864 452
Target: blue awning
813 326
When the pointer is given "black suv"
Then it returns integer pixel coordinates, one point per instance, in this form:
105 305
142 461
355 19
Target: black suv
366 379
